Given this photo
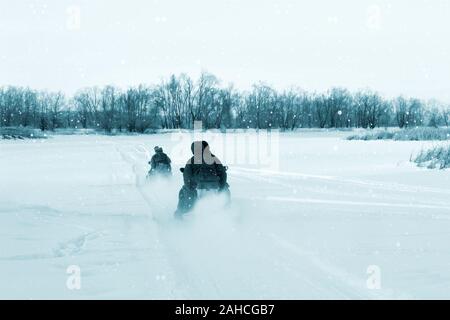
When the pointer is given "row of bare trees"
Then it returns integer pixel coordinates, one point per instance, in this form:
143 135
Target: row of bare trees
26 107
179 101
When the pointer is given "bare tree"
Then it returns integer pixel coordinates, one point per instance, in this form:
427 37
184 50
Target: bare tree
56 103
322 109
446 116
369 107
338 100
87 103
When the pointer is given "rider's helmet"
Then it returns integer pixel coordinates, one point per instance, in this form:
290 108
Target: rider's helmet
199 145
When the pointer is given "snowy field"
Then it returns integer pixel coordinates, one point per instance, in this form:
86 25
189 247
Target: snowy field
307 221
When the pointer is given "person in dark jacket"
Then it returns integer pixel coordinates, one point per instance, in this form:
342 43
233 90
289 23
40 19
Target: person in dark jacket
203 171
160 163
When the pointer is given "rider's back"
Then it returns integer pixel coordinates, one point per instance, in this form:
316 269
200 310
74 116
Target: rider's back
205 174
160 161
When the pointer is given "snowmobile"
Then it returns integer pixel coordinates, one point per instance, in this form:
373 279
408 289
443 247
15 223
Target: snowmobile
160 170
159 164
204 188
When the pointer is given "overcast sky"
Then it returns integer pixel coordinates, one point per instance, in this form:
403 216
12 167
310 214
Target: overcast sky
395 47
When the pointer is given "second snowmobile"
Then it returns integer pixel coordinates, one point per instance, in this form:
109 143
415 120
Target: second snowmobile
160 164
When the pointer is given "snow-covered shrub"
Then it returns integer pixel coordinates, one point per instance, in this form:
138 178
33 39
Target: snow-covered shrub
21 133
437 157
423 133
414 134
74 131
375 135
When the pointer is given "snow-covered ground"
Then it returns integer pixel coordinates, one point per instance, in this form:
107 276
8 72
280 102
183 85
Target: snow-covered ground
307 220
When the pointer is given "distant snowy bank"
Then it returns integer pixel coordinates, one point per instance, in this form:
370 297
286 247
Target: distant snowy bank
410 134
21 133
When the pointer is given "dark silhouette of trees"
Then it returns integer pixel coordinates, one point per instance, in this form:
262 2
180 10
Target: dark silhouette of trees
179 101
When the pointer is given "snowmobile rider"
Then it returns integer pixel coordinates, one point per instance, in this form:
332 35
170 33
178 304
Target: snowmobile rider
160 163
203 171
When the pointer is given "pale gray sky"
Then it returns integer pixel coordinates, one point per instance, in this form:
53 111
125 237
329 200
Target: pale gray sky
396 47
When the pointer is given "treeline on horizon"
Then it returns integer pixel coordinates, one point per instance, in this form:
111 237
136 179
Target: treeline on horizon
177 102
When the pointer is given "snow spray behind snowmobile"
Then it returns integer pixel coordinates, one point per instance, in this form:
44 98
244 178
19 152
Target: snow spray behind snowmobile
203 174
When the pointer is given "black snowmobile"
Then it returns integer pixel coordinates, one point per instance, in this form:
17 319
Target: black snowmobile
207 187
203 175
